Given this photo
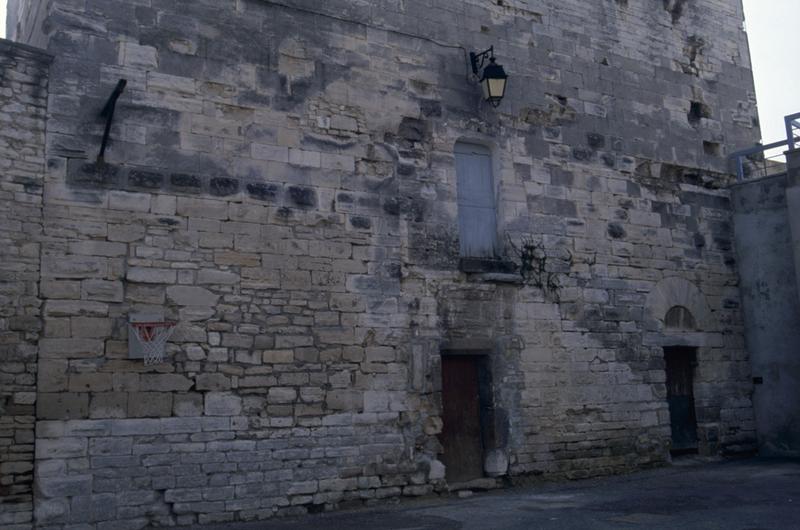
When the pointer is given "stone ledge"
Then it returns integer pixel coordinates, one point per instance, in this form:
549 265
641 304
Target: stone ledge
497 277
24 50
487 266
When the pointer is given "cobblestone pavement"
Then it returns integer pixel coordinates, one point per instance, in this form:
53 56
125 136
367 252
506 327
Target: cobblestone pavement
740 495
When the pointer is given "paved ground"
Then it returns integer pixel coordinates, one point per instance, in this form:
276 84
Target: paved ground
742 495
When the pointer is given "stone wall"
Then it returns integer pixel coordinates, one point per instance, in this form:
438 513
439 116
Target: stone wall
281 181
23 101
772 309
25 22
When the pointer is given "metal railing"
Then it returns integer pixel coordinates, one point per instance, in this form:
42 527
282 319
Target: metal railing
763 160
793 131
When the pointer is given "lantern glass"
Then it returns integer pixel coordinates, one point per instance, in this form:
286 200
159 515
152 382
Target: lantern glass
494 83
494 89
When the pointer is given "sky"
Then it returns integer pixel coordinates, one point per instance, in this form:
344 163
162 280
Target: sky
773 50
770 30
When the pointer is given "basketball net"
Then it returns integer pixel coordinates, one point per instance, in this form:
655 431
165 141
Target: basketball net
152 337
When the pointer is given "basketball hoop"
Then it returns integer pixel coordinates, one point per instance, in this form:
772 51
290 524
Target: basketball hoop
151 339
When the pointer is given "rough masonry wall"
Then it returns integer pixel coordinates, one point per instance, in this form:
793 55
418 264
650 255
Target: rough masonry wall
23 101
25 22
772 309
281 181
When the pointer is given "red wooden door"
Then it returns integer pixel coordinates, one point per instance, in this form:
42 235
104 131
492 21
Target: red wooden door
461 435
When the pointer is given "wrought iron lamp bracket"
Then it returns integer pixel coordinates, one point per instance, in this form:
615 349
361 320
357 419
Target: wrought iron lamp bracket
478 60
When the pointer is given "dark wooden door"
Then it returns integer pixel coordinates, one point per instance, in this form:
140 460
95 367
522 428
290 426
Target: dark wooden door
680 395
461 435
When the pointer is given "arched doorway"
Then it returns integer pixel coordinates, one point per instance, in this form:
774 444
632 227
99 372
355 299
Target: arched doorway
680 363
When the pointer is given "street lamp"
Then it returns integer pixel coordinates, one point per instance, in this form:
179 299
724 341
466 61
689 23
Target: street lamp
493 79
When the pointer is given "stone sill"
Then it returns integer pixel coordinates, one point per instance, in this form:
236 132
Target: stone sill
490 270
497 277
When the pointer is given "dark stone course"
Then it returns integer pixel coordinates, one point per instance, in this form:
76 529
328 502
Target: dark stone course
581 153
186 183
263 192
94 174
360 222
596 141
431 108
223 186
487 265
616 231
304 197
145 179
412 130
392 206
699 240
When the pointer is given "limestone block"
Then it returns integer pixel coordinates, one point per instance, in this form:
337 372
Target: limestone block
338 162
151 275
436 470
278 356
90 382
135 427
273 153
71 348
24 398
68 308
111 446
189 404
101 290
303 488
61 289
222 404
217 277
108 405
293 341
49 511
211 381
191 296
126 233
348 400
52 375
150 405
165 383
163 205
132 202
376 401
138 56
90 327
98 248
495 463
282 395
74 267
202 208
64 447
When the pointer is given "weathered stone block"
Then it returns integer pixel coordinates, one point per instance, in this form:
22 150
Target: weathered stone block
147 275
101 290
164 383
222 404
150 405
71 348
190 404
213 382
61 448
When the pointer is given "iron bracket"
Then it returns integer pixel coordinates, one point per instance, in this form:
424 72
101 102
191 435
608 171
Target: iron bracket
477 60
108 114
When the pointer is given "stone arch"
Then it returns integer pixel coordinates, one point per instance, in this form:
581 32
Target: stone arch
679 317
674 292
